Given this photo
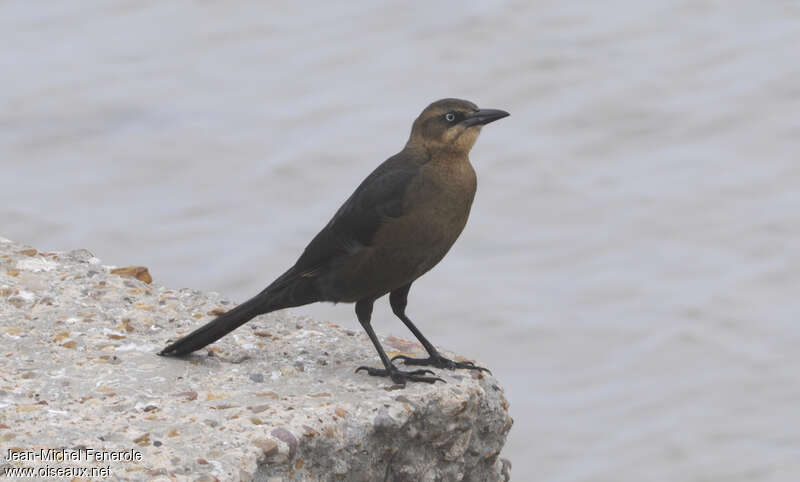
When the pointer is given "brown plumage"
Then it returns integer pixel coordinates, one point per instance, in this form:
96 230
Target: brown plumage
398 224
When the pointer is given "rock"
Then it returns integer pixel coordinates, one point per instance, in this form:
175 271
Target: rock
139 272
269 447
80 369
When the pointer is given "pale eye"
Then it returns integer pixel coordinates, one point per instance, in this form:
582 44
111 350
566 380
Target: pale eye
450 117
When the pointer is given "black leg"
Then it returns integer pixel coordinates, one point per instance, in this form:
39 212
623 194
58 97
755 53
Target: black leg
399 299
364 313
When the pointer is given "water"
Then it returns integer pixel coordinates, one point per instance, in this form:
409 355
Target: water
631 268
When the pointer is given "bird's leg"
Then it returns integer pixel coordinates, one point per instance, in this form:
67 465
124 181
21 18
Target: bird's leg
364 313
399 299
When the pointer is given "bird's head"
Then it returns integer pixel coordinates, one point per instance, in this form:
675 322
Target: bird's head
451 125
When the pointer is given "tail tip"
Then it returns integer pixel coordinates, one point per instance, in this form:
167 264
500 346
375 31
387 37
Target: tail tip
169 350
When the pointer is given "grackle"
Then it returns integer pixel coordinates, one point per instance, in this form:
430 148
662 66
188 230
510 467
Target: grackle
398 224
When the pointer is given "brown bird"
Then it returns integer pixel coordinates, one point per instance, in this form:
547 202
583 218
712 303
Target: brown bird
396 226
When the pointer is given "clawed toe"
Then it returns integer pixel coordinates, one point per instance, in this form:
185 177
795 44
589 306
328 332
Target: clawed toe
401 377
439 362
470 366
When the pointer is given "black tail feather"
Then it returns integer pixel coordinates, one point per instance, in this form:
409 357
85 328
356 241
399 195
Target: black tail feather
219 327
287 291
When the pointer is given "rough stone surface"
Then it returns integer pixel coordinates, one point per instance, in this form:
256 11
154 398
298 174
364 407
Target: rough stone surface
276 399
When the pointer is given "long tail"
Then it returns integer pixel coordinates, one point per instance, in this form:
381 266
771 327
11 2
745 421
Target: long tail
219 327
288 291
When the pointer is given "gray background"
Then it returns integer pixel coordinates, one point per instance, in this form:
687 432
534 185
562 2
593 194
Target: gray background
631 268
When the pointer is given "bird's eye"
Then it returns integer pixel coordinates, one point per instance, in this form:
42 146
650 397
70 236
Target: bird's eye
450 117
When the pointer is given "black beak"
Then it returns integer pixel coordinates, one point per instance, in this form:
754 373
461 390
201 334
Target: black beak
484 116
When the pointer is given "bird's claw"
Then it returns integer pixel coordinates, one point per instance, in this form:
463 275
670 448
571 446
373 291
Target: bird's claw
401 377
439 362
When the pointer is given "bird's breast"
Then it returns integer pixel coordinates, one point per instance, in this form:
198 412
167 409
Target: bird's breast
437 207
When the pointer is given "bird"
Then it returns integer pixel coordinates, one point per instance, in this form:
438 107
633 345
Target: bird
397 225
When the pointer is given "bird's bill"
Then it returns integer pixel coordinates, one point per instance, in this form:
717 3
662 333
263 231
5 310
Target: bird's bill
484 116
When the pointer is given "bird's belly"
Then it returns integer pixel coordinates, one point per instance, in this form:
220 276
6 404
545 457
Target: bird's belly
416 254
406 250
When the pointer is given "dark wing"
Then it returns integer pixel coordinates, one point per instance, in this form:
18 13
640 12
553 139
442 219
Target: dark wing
378 199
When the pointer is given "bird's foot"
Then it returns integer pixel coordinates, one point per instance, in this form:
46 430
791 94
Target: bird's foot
439 361
400 377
